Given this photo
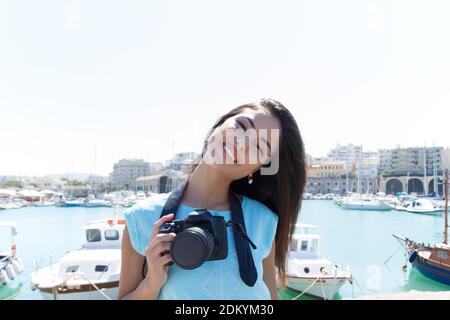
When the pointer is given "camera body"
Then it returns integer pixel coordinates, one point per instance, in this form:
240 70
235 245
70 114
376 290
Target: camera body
200 237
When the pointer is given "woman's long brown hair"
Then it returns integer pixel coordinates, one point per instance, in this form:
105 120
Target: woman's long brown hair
282 192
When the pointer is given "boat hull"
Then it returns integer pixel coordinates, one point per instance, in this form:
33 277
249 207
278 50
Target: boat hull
69 205
325 288
85 292
432 213
352 206
432 271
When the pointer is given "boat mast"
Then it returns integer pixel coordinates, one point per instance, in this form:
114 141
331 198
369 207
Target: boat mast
359 170
346 180
425 171
446 208
407 183
435 173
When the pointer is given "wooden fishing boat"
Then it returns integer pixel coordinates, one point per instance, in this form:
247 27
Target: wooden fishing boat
433 261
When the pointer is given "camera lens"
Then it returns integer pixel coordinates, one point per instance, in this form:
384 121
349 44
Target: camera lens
192 247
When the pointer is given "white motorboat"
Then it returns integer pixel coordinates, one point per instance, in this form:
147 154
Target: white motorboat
308 272
45 204
364 203
10 264
96 203
308 196
319 196
424 206
90 273
11 204
71 203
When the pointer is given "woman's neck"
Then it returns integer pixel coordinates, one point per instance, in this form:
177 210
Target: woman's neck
207 189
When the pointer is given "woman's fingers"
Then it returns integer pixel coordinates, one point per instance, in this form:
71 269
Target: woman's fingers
165 259
161 248
159 256
159 223
162 237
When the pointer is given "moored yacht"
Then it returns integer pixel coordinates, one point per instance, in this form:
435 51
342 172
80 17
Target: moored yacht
10 265
90 273
424 206
364 203
310 273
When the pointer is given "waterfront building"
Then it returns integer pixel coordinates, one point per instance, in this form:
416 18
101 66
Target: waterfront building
368 168
182 160
338 185
76 191
126 171
327 169
385 160
416 170
160 183
350 154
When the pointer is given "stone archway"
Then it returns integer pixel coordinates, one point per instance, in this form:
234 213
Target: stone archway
415 186
394 186
431 186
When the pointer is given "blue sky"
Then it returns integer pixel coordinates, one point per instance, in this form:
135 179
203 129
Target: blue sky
147 78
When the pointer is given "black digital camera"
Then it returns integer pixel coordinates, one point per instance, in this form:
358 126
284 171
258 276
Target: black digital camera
200 237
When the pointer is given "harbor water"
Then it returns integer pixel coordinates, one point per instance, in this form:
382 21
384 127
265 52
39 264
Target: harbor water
359 240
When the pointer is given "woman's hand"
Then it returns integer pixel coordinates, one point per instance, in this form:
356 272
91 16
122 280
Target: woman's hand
157 255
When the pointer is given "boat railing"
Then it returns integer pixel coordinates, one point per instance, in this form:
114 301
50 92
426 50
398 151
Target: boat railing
47 261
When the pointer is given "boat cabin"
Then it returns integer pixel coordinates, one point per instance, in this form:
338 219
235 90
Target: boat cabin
305 245
101 235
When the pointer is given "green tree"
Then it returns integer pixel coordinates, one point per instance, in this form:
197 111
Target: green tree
12 184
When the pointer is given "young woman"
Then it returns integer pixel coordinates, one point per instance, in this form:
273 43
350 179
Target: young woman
270 205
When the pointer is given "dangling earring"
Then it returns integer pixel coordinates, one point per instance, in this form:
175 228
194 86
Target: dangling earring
250 178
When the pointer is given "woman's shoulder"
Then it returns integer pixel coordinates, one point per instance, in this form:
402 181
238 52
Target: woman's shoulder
152 205
261 224
141 217
258 207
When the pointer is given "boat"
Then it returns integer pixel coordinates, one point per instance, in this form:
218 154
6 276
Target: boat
424 206
364 203
10 265
338 200
403 203
433 261
71 203
11 204
319 196
329 196
308 196
307 272
89 273
96 203
45 204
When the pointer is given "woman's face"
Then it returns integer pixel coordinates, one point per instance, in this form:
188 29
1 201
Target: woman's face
243 143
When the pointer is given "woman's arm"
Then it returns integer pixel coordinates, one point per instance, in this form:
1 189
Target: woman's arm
269 273
132 284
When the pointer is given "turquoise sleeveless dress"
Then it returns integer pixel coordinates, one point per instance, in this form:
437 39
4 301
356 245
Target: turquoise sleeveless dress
214 280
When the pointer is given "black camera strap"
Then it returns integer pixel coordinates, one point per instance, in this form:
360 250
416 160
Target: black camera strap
247 267
242 242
